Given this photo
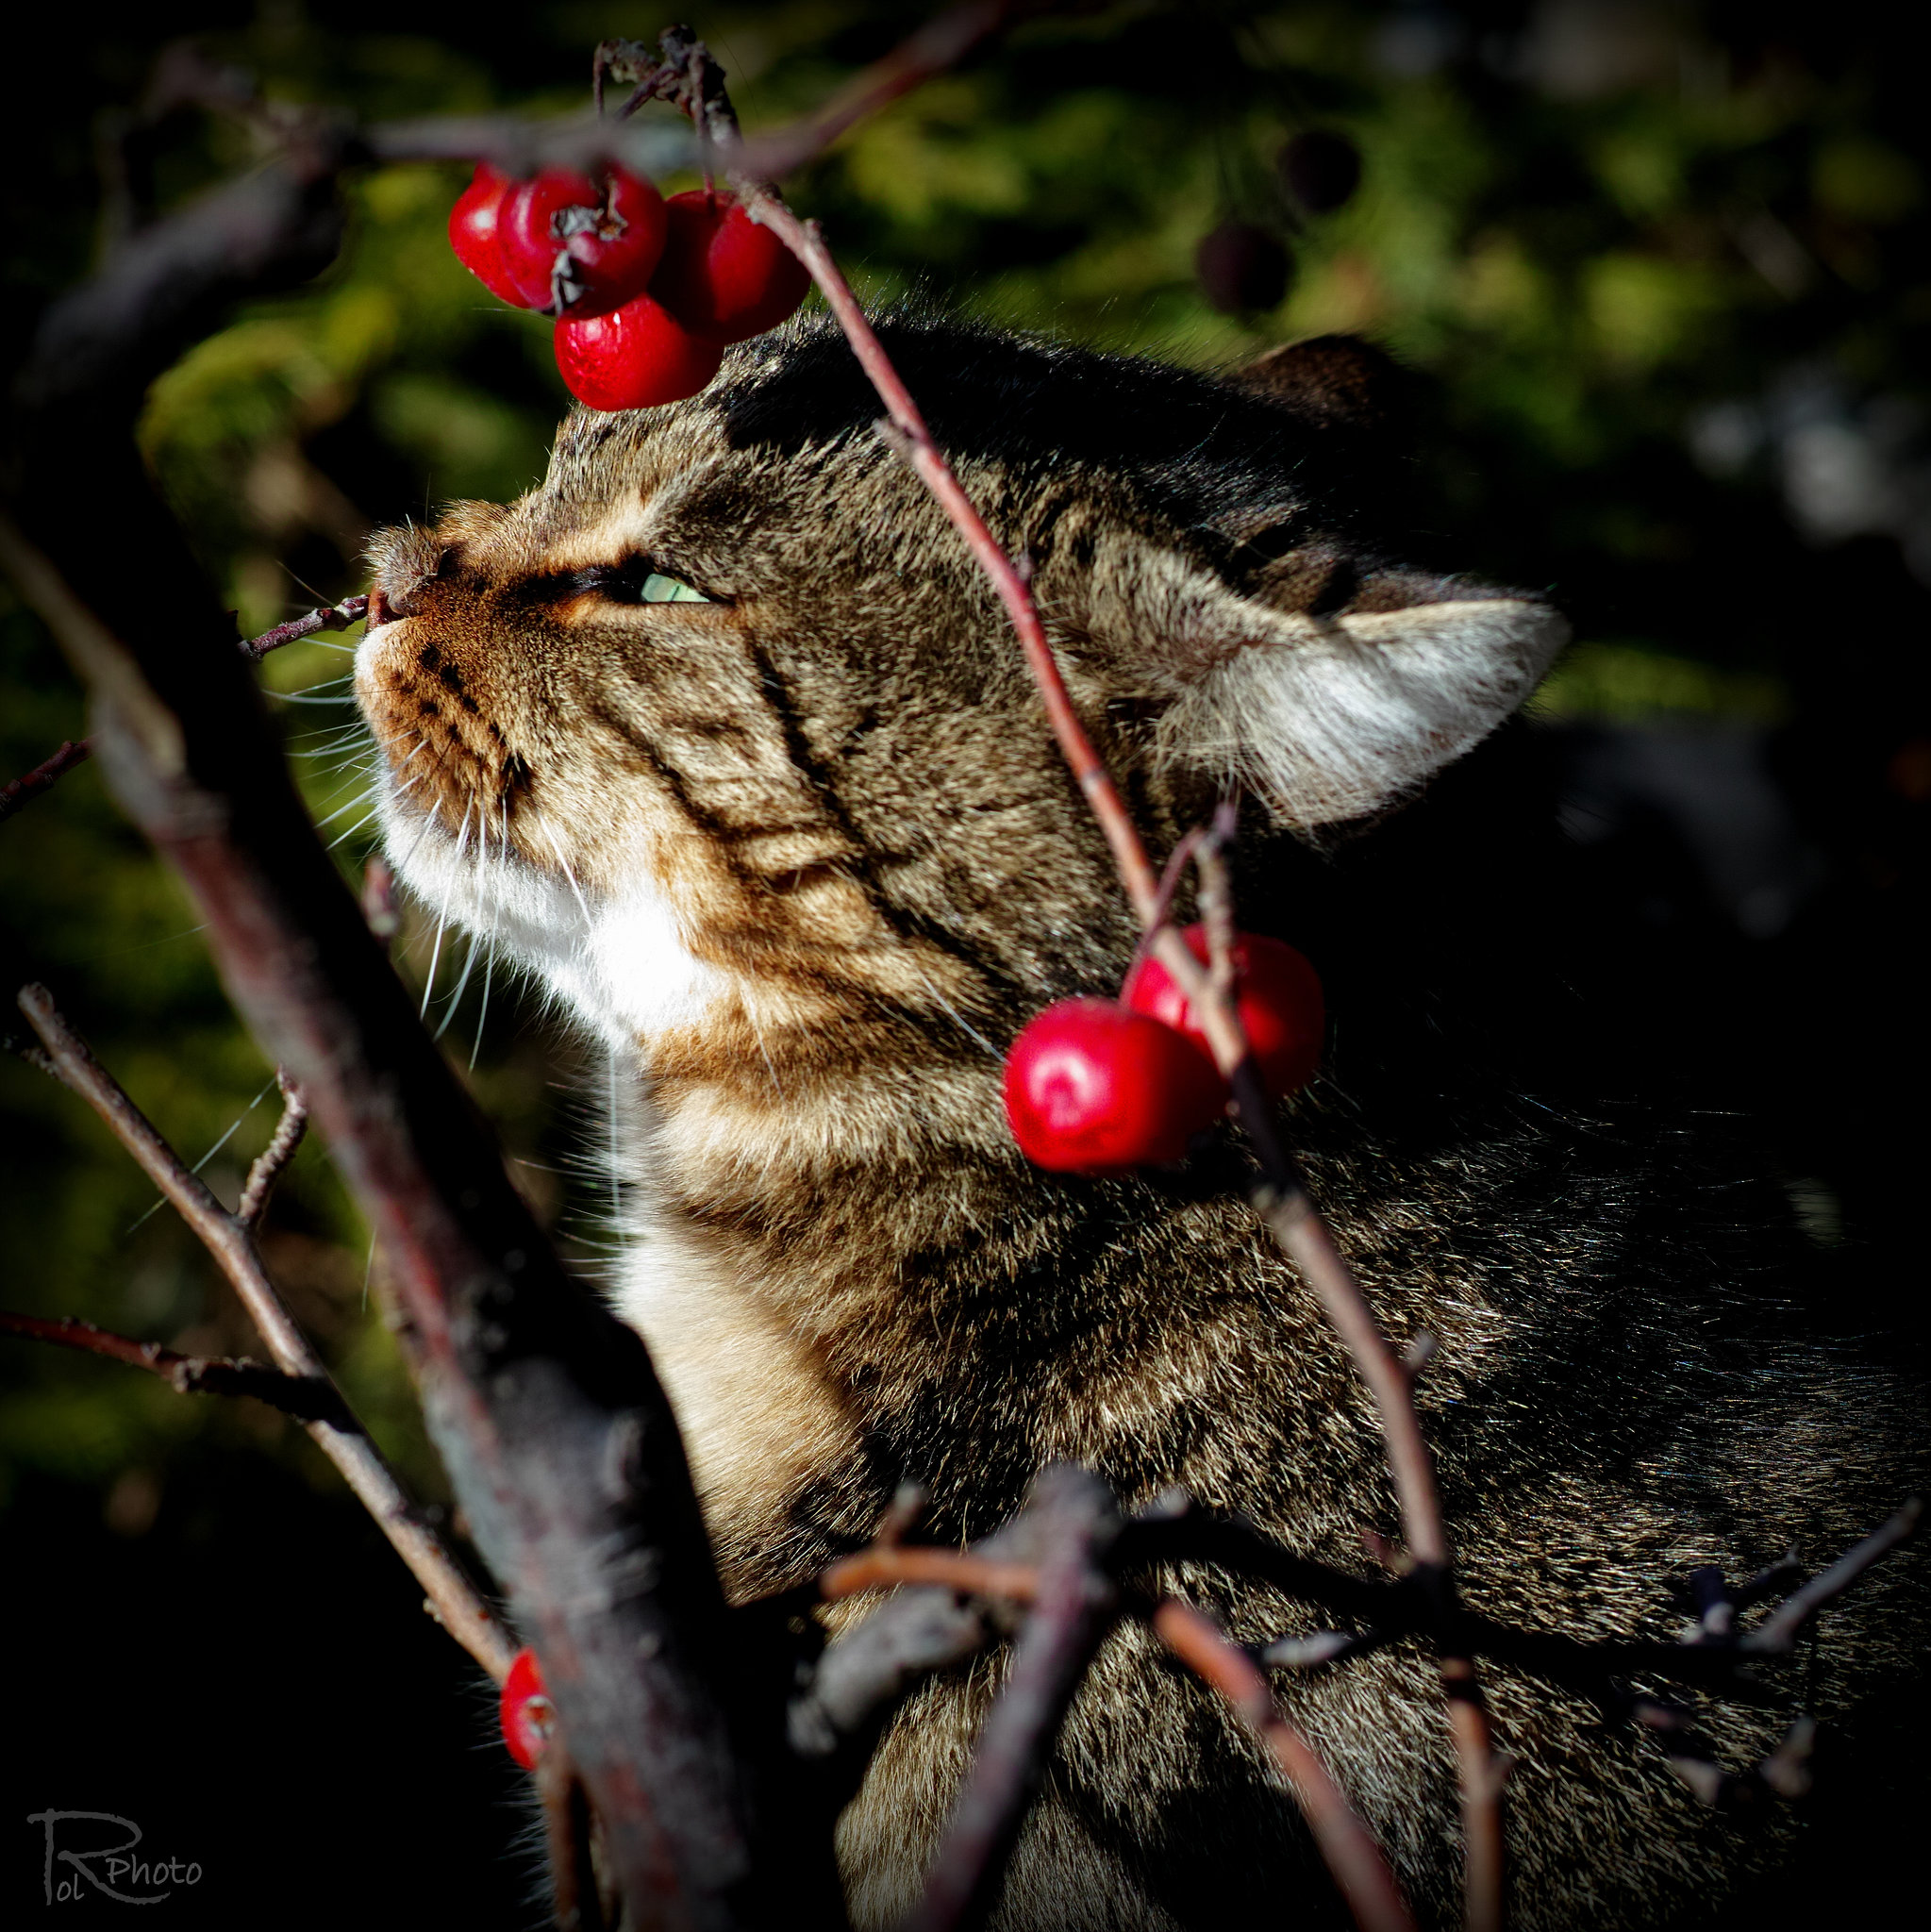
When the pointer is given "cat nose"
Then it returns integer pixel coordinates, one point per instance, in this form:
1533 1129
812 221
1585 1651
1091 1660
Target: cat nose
407 564
390 601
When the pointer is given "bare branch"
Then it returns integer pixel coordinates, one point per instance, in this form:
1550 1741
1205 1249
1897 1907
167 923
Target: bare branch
379 910
1779 1631
522 147
961 1569
1353 1857
273 1158
909 1504
1420 1352
304 1399
568 1829
1071 1616
940 43
44 776
1787 1770
871 1669
339 1435
330 617
23 790
1305 1238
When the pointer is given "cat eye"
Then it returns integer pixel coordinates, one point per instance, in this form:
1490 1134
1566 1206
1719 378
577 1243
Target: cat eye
636 581
659 589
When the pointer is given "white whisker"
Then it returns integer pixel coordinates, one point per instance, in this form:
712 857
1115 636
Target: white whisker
344 837
435 954
455 999
489 969
160 1201
361 798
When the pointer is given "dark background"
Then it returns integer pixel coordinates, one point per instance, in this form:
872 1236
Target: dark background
1662 273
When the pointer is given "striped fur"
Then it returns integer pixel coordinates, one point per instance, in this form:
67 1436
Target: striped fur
802 859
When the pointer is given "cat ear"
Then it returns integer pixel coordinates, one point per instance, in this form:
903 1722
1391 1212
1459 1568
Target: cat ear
1334 382
1334 708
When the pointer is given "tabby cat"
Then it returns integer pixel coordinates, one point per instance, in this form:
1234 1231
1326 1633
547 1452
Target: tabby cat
720 733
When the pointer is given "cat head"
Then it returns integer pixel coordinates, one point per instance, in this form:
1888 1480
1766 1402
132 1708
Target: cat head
722 726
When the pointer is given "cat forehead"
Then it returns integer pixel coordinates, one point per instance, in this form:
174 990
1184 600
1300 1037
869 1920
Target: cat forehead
794 405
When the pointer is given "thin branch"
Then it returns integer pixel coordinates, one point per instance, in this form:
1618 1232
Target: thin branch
880 1568
275 1157
330 617
23 790
341 1438
1217 897
1780 1631
44 776
940 44
568 1829
1160 913
1305 1238
1072 1613
905 431
307 1400
1346 1845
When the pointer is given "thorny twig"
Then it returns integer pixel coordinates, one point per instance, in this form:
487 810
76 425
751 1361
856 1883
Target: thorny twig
230 1239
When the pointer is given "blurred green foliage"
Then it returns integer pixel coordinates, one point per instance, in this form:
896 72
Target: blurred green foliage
1587 221
1651 257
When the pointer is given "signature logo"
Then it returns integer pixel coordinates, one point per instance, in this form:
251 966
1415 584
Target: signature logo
73 1841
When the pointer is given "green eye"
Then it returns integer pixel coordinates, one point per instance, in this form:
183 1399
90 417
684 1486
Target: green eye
659 589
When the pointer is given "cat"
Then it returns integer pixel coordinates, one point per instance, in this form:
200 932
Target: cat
721 734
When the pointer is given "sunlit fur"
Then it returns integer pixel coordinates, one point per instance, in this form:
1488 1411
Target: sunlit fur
802 859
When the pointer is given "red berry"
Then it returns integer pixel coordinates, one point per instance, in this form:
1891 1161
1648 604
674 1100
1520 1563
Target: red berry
528 1716
1090 1086
561 241
475 232
635 358
722 275
1276 992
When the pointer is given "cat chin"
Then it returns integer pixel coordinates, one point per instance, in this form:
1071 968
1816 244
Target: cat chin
617 964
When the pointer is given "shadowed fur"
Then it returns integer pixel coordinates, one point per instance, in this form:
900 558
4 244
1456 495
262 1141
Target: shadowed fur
803 859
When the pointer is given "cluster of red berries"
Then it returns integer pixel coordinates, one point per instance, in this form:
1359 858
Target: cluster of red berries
646 292
525 1711
1093 1086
